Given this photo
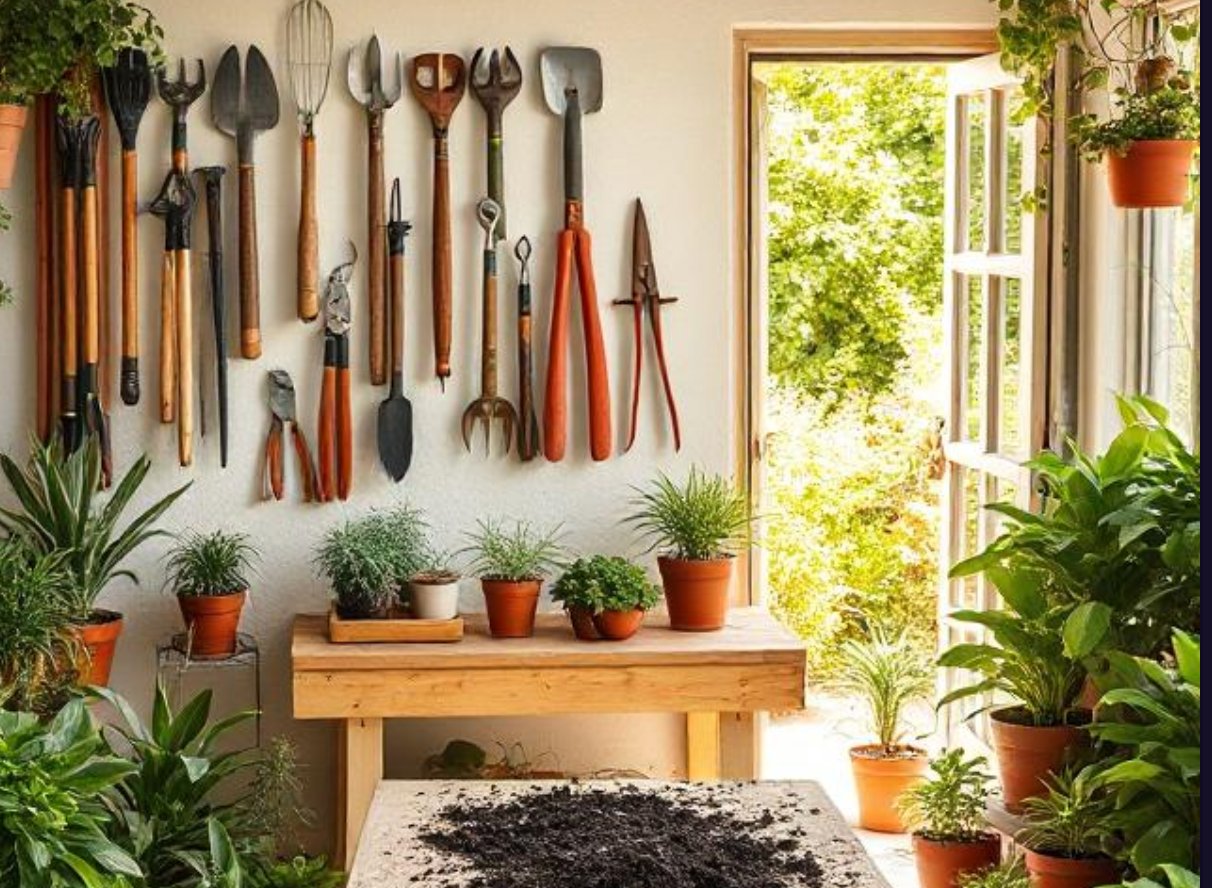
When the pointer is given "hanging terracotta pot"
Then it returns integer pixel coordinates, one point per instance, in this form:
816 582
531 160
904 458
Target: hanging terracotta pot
880 778
1152 173
12 125
1027 755
941 864
581 618
1046 871
696 592
212 622
511 606
618 625
100 638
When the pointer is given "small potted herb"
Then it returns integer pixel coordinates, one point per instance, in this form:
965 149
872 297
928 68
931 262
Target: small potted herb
605 596
888 674
209 574
434 589
947 816
356 559
1009 874
512 561
698 526
1068 829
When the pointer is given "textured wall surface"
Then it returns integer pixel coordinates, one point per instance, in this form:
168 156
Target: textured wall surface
665 132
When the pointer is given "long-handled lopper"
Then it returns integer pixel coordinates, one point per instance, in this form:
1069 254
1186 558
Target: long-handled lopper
336 421
212 179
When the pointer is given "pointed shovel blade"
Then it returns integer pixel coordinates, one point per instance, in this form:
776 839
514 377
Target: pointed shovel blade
395 434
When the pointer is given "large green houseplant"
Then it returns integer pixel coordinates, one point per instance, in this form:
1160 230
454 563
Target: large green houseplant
38 649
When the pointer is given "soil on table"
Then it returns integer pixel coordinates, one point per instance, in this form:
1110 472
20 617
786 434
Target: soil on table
627 837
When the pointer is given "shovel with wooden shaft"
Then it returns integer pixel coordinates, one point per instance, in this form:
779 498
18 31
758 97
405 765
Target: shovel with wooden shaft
395 412
90 408
70 138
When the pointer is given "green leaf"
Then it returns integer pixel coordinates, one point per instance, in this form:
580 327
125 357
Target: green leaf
1186 653
223 853
1179 877
1086 628
1166 842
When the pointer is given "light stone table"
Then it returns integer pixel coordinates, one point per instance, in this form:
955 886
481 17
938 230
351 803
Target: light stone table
391 855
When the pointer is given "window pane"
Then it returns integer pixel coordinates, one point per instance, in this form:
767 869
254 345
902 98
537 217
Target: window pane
970 596
1014 175
976 117
1171 283
974 401
1011 436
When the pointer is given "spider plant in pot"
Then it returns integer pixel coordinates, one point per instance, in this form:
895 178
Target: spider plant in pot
947 816
209 574
698 526
434 589
1068 830
605 597
60 513
512 561
357 561
887 673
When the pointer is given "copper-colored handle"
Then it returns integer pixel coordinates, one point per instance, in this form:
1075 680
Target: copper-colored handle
527 445
90 348
307 469
555 404
442 287
596 375
327 434
129 383
344 435
396 269
185 361
250 288
488 347
309 236
377 256
168 339
273 458
69 284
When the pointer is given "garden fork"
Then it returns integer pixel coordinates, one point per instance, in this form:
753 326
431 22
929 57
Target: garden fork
489 405
179 94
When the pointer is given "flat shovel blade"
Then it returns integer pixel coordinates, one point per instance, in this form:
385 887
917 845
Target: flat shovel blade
395 435
575 67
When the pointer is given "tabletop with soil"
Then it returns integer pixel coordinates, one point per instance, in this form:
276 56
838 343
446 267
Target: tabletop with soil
608 834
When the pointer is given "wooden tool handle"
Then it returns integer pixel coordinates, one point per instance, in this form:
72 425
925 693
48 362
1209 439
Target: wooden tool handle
526 429
68 287
396 269
344 422
377 258
596 375
273 458
555 404
326 435
442 287
129 383
250 287
168 339
90 348
488 348
309 236
185 359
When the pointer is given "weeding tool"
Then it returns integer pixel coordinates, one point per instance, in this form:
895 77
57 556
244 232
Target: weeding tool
395 412
528 423
212 177
496 81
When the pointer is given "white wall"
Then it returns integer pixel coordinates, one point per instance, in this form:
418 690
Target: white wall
664 133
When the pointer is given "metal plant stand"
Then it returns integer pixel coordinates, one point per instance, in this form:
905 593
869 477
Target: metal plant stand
184 674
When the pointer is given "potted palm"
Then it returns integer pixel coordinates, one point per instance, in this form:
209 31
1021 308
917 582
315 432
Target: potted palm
888 673
512 561
434 589
60 513
209 574
605 597
947 816
1067 832
698 526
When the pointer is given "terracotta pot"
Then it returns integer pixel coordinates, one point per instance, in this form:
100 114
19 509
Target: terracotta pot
434 600
940 864
881 779
581 618
12 125
100 638
618 625
1046 871
212 621
1027 755
696 592
511 606
1152 173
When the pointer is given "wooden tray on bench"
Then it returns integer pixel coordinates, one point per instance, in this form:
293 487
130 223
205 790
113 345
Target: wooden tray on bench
398 628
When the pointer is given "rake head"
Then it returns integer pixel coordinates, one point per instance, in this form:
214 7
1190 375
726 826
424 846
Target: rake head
486 410
182 92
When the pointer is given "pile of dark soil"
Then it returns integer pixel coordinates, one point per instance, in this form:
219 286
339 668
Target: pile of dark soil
623 838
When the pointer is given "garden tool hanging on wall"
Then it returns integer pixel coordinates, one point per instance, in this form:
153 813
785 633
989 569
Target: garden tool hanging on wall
282 411
528 423
646 298
496 80
336 421
212 177
395 412
69 138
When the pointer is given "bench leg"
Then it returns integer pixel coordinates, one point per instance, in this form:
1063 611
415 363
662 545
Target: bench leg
359 770
703 746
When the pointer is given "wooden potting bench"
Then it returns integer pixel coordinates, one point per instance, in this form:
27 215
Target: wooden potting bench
752 665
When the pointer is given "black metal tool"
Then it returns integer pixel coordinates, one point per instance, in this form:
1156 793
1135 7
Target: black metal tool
528 422
212 178
395 412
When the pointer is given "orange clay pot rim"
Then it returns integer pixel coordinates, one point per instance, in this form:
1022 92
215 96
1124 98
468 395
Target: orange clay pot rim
513 581
100 616
1066 858
669 557
902 752
230 594
981 838
1003 714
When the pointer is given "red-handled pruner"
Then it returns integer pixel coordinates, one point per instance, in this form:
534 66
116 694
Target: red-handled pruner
646 293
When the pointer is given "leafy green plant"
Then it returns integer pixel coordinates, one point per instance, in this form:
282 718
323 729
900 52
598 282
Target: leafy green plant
603 583
403 533
703 519
208 564
55 779
1008 874
516 552
1031 34
888 672
1172 876
1074 819
274 802
950 806
359 564
299 871
436 566
61 514
1168 113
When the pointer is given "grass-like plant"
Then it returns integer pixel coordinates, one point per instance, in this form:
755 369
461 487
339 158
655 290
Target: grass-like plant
1073 819
360 567
1008 874
208 564
606 583
437 566
950 806
889 674
514 552
703 519
404 534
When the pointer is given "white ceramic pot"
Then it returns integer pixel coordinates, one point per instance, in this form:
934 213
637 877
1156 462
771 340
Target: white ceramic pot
434 601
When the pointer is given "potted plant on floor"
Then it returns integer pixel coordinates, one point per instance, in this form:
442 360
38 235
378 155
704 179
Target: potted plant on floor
60 513
698 527
209 574
357 561
434 589
605 597
1068 831
887 673
512 561
947 816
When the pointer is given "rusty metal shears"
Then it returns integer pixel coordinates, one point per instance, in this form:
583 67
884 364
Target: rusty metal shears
282 409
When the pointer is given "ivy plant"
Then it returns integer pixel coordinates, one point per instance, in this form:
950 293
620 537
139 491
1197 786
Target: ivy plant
605 583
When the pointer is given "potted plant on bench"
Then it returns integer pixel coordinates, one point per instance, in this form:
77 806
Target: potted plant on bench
357 561
888 674
209 574
512 561
605 597
947 816
1069 829
433 591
